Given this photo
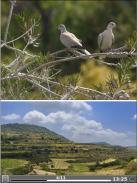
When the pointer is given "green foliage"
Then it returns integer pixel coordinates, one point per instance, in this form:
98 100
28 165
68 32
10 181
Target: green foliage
45 167
99 165
23 170
132 41
131 167
124 71
9 165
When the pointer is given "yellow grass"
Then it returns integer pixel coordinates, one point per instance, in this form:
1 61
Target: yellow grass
115 170
60 164
108 160
92 74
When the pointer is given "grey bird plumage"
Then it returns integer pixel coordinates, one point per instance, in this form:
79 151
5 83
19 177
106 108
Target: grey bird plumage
106 38
69 40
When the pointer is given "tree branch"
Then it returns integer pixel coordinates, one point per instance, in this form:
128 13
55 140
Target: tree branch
94 55
9 20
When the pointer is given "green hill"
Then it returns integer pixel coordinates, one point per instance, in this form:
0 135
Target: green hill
26 132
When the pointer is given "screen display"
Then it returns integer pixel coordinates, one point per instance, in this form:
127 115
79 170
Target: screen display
68 90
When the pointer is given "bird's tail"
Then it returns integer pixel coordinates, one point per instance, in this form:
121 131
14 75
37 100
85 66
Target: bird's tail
82 49
86 52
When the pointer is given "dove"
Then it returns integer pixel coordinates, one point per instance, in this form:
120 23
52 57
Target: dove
106 38
69 40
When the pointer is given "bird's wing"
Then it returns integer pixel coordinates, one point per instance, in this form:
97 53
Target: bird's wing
100 39
72 39
113 38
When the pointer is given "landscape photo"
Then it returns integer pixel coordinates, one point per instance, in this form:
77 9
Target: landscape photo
68 138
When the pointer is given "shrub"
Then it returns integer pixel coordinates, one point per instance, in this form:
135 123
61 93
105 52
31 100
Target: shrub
132 167
21 170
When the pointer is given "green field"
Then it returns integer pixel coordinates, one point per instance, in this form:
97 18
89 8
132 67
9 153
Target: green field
9 165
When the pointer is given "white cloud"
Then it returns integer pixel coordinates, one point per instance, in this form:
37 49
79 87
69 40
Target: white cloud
76 127
11 117
81 106
40 118
34 117
61 117
58 117
92 131
70 106
135 117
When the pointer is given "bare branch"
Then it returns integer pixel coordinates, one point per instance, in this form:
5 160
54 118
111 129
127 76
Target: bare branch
88 90
9 20
42 88
58 52
21 35
69 93
121 49
94 55
20 51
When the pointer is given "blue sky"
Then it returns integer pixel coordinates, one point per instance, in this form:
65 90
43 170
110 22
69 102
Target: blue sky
113 122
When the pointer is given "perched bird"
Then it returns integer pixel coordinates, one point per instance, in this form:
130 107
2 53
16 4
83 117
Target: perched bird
106 38
69 40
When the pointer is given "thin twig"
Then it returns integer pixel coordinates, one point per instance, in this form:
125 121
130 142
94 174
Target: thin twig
9 20
106 63
42 87
69 94
121 49
21 35
20 51
94 91
58 52
18 59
